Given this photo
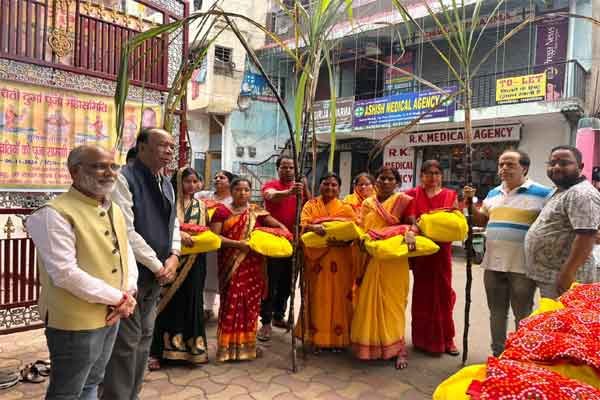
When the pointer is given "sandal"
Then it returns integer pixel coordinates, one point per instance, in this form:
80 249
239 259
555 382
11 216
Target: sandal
9 378
30 374
43 367
153 364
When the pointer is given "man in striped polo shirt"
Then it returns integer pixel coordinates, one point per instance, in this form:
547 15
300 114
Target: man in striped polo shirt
508 211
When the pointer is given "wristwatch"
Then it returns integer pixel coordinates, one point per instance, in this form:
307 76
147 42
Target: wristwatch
174 254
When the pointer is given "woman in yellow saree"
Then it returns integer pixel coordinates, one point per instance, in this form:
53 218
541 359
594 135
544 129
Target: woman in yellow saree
242 281
328 273
378 325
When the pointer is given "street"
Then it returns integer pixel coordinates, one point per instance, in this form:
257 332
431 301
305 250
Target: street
326 376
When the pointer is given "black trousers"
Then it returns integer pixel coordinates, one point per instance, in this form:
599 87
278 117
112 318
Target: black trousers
279 272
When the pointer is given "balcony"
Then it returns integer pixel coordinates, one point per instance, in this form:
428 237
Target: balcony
84 37
572 86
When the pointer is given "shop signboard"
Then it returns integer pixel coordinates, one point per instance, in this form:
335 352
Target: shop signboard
399 109
481 134
39 126
343 124
552 35
400 156
394 79
521 89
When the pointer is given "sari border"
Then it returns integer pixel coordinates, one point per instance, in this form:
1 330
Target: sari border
376 352
185 356
171 290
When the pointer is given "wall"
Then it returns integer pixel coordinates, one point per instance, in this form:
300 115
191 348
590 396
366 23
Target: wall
538 138
218 94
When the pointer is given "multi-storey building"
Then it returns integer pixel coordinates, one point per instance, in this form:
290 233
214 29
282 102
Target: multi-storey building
530 93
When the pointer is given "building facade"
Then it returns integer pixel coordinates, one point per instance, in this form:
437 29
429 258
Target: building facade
530 93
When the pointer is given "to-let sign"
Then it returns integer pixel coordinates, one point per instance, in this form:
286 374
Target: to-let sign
521 89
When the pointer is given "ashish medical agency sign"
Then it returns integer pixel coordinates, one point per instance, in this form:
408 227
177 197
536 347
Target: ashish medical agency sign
483 134
399 109
521 89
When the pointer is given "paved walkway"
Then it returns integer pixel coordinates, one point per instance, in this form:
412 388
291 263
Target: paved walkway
326 376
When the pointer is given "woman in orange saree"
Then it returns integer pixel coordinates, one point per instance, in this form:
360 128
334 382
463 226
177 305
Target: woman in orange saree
378 325
363 187
328 273
241 273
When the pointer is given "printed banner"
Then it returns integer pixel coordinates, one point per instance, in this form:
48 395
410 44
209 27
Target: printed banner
255 86
398 155
344 107
401 108
39 126
521 89
551 52
394 79
481 134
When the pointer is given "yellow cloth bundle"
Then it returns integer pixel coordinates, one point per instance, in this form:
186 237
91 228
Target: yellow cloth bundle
203 243
444 226
455 387
395 247
343 231
270 245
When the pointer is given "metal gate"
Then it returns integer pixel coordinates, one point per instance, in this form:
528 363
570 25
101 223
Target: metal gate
19 280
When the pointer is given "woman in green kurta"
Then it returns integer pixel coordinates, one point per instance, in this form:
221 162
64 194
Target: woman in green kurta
179 332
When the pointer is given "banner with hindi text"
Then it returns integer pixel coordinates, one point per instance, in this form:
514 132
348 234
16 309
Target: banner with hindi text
40 125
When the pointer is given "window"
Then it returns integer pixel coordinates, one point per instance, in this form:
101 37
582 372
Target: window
223 54
224 60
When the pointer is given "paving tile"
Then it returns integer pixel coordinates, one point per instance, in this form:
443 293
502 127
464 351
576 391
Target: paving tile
307 372
188 393
287 396
250 384
413 394
184 376
13 394
272 390
312 391
155 375
267 374
393 389
290 381
355 390
207 386
229 377
331 396
229 392
331 381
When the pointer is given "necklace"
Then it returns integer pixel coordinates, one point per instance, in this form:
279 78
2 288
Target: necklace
239 209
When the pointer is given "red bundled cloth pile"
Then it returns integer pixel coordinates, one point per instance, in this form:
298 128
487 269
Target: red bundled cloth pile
509 379
582 296
193 229
284 233
388 232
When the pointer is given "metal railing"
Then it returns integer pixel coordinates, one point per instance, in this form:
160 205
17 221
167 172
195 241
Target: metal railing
572 86
83 38
259 173
19 279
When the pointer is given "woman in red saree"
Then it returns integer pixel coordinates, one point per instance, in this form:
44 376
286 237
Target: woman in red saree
433 297
241 273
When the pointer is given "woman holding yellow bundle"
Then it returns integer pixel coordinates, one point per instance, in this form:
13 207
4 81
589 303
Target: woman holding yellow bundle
241 273
363 187
179 332
433 297
327 313
379 318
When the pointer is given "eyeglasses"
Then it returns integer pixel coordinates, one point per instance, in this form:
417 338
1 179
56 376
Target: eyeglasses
103 167
560 163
